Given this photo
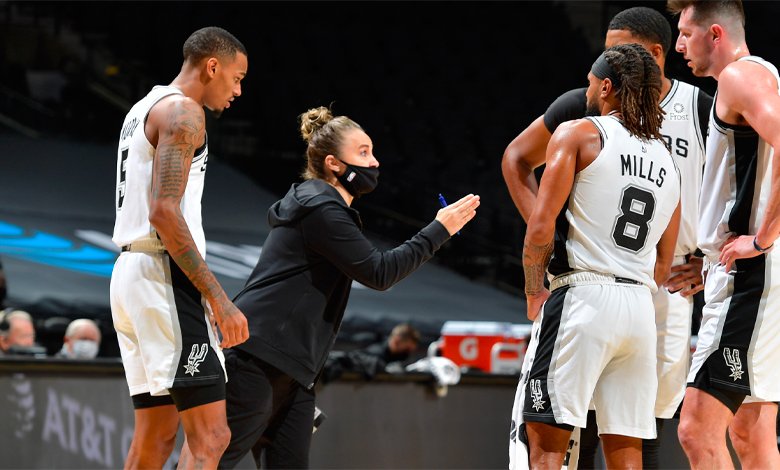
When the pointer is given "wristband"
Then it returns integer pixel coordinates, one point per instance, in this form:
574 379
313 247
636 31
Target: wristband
759 249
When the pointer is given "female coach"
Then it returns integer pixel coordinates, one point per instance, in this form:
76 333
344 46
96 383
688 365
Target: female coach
295 298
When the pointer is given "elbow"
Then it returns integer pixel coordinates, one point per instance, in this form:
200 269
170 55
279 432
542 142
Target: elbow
516 165
509 163
539 231
160 214
379 281
379 284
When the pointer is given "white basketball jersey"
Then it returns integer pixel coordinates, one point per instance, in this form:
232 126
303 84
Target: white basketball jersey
738 175
619 207
135 159
682 132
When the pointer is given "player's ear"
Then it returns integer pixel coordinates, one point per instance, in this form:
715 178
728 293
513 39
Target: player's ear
716 31
606 87
657 51
211 66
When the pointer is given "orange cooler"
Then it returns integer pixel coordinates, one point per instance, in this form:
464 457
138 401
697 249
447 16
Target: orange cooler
482 345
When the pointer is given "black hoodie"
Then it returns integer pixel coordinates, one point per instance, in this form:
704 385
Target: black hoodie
295 298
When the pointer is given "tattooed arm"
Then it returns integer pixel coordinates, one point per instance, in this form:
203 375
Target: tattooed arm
535 260
573 146
176 127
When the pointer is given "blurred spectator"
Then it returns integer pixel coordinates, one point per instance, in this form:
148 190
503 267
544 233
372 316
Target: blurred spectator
81 341
17 334
401 343
387 355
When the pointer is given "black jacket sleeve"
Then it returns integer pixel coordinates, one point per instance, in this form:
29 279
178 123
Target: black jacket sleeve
568 106
330 231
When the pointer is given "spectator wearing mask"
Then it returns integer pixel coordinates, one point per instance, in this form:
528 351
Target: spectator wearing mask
81 341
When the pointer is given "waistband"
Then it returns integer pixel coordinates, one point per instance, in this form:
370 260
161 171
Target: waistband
146 245
584 278
710 262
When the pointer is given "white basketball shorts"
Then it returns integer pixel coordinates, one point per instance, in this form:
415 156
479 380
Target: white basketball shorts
519 458
162 323
596 340
738 345
673 314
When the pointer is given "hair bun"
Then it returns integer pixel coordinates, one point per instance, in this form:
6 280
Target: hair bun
313 120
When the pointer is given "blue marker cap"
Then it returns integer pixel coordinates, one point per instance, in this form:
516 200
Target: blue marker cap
443 203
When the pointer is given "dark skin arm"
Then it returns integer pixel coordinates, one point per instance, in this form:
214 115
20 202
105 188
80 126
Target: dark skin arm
686 278
524 154
176 128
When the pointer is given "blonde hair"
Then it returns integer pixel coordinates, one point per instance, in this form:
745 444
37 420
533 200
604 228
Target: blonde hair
324 134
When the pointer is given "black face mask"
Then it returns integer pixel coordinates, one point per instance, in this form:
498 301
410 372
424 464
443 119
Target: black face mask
359 180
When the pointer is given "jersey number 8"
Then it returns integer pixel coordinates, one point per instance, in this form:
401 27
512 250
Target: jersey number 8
632 226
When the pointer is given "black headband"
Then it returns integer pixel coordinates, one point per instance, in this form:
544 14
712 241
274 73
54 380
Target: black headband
601 70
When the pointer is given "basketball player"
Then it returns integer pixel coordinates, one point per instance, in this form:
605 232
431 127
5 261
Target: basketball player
615 190
163 295
737 352
684 130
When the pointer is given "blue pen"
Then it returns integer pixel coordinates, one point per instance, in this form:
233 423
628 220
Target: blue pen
443 203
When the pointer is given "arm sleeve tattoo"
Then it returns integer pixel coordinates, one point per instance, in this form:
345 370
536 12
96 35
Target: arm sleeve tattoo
535 261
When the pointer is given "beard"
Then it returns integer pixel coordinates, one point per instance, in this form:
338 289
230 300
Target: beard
700 70
592 109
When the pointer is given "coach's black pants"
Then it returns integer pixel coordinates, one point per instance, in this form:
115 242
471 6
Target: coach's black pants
268 413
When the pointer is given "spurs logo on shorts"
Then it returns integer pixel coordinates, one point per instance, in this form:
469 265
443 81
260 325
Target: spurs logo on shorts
734 363
536 394
195 358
